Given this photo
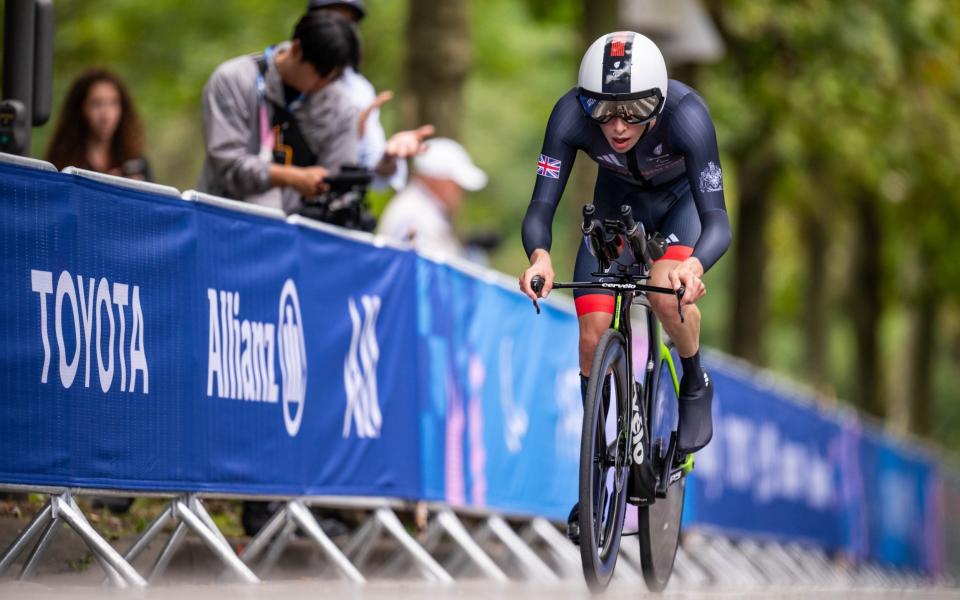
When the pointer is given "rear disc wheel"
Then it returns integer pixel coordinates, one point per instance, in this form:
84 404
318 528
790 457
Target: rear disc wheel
659 523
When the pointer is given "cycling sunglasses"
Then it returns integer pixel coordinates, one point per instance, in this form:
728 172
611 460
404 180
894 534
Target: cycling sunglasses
634 109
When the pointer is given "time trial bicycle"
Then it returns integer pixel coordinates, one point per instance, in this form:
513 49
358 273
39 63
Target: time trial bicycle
628 446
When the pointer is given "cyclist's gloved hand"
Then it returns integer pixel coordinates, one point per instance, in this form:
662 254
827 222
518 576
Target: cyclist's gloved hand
540 264
688 274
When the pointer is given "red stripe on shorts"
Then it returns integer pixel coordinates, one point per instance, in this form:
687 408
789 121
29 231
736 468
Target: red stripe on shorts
591 303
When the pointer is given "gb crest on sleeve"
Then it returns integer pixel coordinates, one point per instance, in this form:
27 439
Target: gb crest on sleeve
711 178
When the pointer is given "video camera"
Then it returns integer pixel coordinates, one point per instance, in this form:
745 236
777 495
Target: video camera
346 202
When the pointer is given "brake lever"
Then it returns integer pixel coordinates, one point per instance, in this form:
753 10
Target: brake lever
680 291
536 284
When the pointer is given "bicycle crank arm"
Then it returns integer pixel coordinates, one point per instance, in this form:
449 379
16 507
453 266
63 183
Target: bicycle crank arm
667 476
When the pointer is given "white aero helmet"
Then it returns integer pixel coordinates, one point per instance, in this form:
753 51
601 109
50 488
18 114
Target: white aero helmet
623 74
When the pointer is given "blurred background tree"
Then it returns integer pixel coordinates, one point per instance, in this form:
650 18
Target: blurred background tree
837 123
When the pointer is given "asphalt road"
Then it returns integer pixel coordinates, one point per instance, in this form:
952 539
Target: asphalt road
402 590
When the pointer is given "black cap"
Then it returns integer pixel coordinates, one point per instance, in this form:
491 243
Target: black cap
356 5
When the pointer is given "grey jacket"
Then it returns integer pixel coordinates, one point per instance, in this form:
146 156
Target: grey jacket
233 166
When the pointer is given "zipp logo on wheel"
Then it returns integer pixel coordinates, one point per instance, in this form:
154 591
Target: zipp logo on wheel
636 430
360 370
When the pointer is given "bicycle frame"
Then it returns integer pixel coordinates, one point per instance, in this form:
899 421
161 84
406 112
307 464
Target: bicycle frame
657 353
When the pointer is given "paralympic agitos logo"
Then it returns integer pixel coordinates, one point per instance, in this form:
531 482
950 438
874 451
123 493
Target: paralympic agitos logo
242 354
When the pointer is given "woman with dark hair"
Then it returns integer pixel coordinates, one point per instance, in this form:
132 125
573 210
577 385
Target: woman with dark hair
99 129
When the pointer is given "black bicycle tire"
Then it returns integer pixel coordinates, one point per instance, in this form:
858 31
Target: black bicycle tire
659 524
597 569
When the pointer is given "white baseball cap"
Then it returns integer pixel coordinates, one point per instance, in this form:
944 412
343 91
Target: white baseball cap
446 159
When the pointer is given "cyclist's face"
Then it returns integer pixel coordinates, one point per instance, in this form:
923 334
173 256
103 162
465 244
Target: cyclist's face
621 135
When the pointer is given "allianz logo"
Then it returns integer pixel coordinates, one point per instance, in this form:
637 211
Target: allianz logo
243 353
360 370
90 319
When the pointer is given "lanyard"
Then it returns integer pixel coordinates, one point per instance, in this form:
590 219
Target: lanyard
267 134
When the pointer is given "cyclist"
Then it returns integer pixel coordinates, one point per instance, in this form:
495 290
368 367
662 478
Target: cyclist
656 148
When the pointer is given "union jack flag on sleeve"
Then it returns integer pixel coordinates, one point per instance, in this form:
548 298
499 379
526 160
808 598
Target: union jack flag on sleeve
548 167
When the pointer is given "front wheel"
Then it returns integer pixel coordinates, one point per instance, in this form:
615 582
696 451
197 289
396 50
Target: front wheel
659 523
603 461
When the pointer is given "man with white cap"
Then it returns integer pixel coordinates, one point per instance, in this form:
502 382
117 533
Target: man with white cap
422 213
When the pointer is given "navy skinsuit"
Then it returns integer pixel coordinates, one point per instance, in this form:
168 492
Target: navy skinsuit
671 178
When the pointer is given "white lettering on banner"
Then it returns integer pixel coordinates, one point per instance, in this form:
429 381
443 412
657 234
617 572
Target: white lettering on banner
90 314
241 354
755 457
42 283
360 370
293 358
65 289
224 350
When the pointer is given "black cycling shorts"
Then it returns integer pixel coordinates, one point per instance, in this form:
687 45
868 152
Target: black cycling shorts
669 210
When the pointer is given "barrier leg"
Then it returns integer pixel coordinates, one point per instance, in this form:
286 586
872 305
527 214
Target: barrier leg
168 551
776 552
459 560
358 549
222 550
563 550
276 549
428 565
148 534
36 525
62 508
53 526
197 507
305 519
429 540
111 573
458 533
688 570
529 561
262 540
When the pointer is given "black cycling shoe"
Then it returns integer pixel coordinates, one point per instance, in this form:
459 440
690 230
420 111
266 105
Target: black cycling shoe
696 420
573 524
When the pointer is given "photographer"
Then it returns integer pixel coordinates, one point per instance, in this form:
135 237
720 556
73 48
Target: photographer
383 156
275 124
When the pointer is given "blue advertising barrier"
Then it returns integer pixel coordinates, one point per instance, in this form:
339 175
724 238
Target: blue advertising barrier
502 410
153 343
780 467
157 344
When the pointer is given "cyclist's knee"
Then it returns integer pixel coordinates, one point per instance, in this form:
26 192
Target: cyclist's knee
664 305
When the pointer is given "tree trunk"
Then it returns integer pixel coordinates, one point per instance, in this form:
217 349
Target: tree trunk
438 61
750 256
815 324
922 355
867 307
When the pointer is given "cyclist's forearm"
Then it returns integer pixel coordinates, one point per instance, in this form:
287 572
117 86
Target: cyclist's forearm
714 239
537 232
540 255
